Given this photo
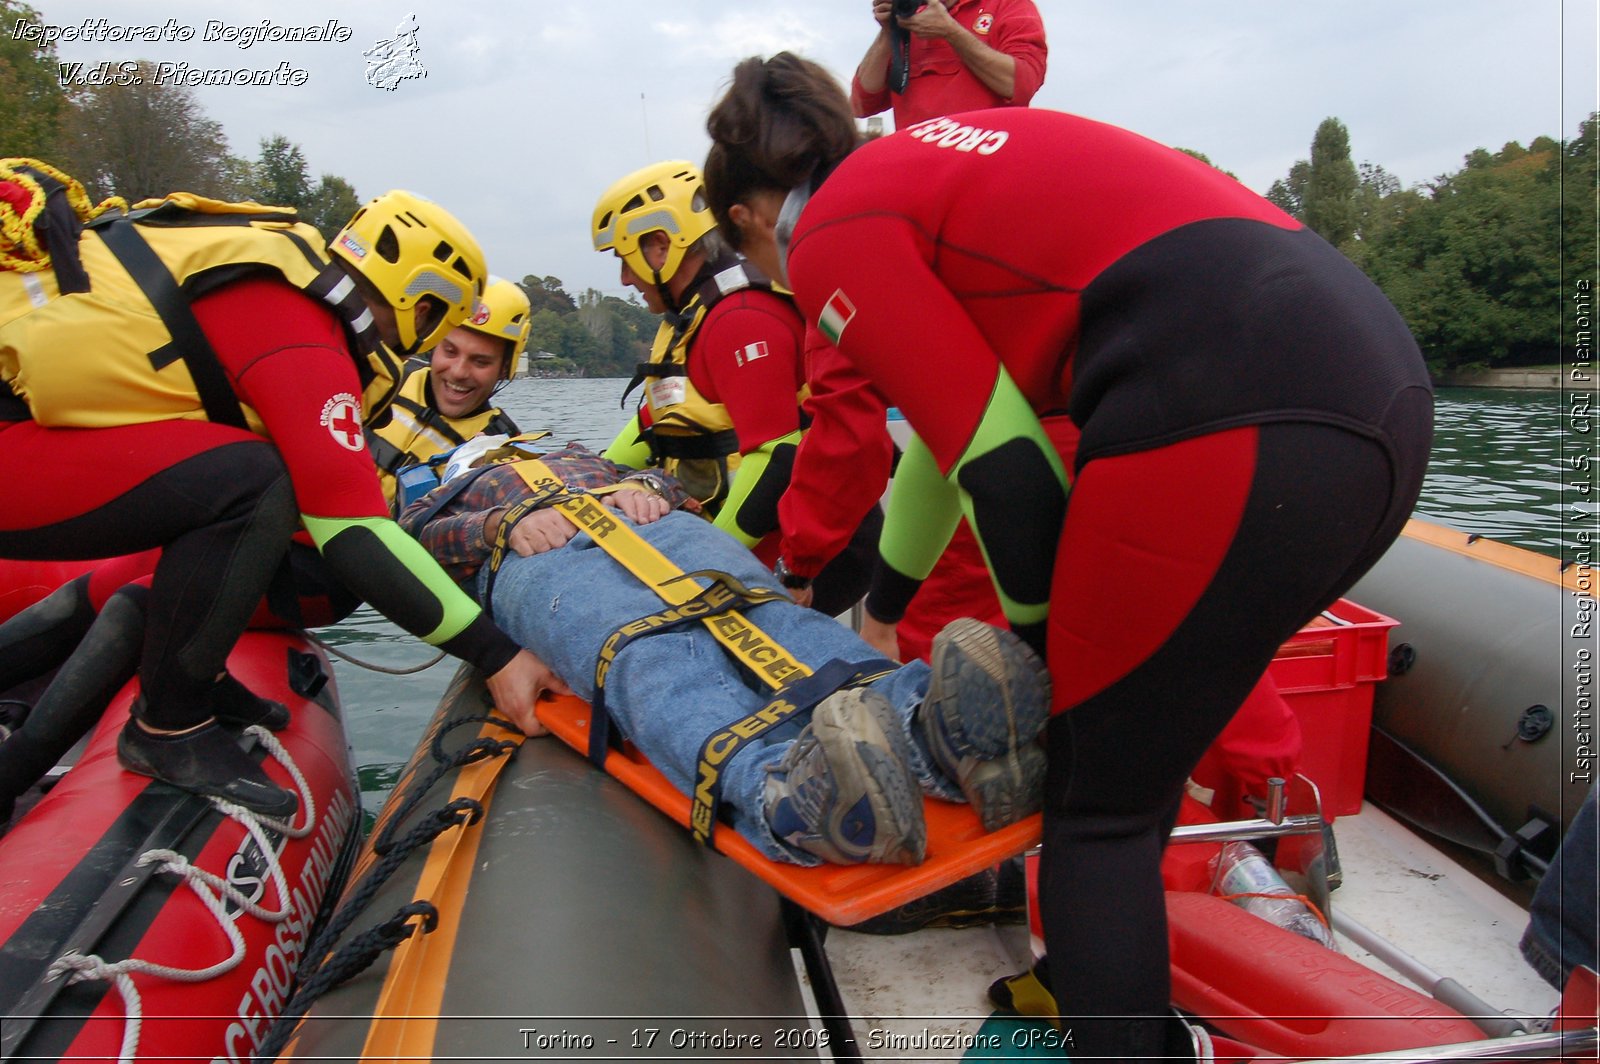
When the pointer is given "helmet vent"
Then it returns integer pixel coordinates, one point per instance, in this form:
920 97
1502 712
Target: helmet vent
655 193
442 251
388 247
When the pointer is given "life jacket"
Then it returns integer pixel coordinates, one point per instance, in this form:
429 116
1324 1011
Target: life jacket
690 437
116 342
417 431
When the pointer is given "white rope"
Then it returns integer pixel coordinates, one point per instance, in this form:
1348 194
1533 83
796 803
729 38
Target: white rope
279 754
83 968
210 889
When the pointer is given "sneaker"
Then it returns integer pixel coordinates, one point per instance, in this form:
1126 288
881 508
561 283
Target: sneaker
845 792
988 700
206 761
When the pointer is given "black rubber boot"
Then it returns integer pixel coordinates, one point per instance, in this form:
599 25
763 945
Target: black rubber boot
235 704
205 761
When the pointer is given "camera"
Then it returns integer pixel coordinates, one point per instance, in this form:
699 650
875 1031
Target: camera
907 8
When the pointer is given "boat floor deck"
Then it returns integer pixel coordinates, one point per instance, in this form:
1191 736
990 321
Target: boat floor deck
1395 883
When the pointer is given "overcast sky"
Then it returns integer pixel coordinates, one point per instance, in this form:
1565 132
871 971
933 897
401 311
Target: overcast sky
528 111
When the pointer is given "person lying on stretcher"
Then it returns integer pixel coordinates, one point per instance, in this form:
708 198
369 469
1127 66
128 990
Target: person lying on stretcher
840 782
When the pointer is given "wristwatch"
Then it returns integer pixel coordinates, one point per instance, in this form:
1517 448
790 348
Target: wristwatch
792 581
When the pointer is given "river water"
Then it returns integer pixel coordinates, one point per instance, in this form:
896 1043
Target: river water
1496 471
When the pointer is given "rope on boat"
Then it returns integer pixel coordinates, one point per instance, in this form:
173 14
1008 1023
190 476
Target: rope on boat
386 670
355 957
210 889
317 977
281 755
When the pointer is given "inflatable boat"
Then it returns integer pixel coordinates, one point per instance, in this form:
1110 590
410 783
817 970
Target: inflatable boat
140 922
514 903
1483 732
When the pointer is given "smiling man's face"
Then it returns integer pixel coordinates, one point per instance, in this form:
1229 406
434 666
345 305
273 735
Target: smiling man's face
465 368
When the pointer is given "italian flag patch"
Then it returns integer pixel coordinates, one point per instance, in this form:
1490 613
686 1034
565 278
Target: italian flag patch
838 313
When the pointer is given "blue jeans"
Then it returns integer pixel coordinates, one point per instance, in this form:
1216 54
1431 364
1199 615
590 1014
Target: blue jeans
669 691
1561 920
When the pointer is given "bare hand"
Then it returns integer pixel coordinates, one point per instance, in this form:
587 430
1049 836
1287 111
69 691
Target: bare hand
515 690
802 595
933 20
882 10
641 507
880 636
540 531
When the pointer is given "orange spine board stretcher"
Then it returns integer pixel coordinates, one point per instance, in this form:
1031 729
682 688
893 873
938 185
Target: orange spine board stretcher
841 894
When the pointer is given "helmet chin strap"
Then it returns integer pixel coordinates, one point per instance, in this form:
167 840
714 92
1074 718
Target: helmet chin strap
668 300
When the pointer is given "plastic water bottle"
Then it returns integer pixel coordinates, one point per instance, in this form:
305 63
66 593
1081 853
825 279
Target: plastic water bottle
1241 869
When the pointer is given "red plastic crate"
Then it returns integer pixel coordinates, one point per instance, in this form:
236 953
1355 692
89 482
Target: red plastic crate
1326 673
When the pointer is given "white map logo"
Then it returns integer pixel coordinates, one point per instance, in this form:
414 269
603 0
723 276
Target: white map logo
395 60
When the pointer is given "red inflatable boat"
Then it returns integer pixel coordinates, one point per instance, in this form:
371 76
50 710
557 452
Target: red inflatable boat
138 921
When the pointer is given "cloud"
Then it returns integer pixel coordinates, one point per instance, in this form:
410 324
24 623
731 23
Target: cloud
530 110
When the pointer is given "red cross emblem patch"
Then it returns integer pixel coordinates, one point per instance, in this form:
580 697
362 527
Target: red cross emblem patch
341 416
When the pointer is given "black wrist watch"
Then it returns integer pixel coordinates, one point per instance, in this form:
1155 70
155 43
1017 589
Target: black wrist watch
792 581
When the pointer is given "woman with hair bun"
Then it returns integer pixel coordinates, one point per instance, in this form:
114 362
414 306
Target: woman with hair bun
1255 422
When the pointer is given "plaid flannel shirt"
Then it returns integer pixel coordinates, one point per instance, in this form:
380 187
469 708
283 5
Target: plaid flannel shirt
454 535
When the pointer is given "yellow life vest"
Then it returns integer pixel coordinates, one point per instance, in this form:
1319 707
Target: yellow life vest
128 350
690 437
417 431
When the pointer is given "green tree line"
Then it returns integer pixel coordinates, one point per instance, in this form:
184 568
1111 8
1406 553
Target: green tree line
1477 260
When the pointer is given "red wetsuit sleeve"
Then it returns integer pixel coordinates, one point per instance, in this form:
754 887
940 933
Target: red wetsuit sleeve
287 357
747 357
898 324
842 464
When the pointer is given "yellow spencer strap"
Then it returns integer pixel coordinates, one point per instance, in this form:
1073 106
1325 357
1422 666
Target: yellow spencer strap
748 643
764 655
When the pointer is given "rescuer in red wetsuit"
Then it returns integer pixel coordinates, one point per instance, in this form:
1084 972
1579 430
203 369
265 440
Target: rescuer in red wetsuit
216 466
721 409
1255 423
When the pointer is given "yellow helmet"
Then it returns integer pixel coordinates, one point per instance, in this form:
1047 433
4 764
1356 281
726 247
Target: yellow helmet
505 314
669 197
408 247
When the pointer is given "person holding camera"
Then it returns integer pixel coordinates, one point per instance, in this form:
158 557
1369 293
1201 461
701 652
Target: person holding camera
937 58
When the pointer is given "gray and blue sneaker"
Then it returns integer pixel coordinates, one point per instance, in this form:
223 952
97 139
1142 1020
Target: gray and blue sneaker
988 700
845 791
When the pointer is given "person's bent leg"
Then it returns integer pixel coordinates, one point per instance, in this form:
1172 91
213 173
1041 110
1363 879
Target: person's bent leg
104 660
218 500
44 635
1180 572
